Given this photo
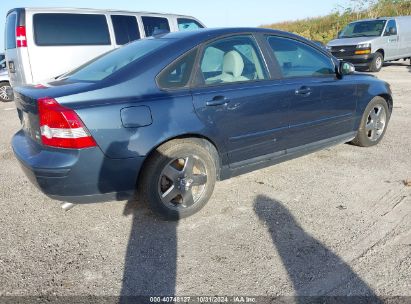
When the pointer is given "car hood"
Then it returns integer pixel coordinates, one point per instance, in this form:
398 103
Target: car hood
350 41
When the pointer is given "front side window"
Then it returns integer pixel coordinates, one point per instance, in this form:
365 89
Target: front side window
178 73
297 59
10 42
70 29
155 24
185 24
234 59
391 28
125 29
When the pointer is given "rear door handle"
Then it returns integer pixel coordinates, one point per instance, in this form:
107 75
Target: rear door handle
218 101
303 91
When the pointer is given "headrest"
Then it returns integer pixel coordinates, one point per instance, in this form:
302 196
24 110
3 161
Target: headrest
233 64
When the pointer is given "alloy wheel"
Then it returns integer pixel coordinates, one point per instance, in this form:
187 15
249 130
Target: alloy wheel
3 93
376 122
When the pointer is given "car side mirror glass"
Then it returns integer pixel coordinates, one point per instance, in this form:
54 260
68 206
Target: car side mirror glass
346 68
393 31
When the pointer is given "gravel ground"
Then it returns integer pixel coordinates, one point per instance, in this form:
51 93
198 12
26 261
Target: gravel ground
336 222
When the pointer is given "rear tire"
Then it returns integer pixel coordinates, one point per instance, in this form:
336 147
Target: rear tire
377 62
4 85
179 177
374 123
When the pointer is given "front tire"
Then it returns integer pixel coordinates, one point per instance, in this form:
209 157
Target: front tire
377 62
373 124
179 178
4 85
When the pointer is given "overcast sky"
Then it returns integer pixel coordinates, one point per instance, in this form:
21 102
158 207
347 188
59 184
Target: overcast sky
214 13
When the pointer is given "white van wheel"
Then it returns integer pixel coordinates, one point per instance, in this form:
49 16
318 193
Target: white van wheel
3 91
377 62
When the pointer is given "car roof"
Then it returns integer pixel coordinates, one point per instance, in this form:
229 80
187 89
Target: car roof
210 33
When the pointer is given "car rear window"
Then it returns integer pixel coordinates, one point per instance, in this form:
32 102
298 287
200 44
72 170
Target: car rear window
103 66
11 32
70 29
153 24
125 29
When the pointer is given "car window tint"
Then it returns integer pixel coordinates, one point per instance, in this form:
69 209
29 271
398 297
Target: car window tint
10 42
70 29
185 24
155 24
391 24
297 59
178 73
105 65
234 59
125 29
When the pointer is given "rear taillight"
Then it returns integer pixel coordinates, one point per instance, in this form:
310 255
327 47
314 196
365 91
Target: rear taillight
61 127
21 38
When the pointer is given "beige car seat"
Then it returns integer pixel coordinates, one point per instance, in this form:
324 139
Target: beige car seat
233 66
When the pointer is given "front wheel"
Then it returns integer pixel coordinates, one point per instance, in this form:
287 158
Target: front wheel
373 124
3 91
377 62
179 178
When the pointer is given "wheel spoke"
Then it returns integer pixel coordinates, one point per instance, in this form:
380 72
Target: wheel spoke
170 194
373 115
370 126
171 173
188 166
199 179
188 199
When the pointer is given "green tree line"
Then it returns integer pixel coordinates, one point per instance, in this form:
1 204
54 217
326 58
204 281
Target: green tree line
327 27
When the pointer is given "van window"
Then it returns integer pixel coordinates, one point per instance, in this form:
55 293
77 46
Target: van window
185 24
178 73
10 41
109 63
70 29
152 24
125 29
391 26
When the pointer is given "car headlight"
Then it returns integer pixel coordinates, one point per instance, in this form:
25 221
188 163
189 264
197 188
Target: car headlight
364 45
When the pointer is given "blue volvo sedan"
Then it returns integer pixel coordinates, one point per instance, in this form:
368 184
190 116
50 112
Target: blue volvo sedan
168 116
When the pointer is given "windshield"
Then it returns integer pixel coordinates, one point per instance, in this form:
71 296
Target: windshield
105 65
363 29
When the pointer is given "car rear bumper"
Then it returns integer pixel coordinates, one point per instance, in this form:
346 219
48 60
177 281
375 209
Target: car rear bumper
358 60
76 176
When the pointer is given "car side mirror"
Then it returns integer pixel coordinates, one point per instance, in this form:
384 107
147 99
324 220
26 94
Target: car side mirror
339 34
346 68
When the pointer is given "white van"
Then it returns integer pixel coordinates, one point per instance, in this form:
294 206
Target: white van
42 43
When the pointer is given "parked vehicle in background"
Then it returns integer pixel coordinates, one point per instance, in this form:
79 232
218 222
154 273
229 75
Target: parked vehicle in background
42 43
4 82
369 43
172 115
2 57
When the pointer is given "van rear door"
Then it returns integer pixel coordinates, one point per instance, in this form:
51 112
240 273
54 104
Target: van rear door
17 57
62 42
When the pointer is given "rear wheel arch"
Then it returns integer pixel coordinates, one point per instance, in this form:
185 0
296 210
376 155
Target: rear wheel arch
201 139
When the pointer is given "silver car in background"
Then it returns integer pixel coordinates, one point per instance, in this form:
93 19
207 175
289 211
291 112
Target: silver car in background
4 80
42 43
369 43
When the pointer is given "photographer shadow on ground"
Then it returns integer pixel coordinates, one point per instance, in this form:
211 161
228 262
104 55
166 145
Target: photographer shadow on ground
151 256
314 270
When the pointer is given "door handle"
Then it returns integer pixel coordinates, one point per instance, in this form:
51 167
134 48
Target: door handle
303 91
218 101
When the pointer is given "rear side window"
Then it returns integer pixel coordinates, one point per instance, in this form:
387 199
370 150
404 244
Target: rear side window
297 59
70 29
178 73
125 29
153 24
185 24
10 41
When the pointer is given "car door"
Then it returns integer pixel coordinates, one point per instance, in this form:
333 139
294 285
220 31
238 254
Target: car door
321 105
392 40
238 102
